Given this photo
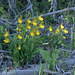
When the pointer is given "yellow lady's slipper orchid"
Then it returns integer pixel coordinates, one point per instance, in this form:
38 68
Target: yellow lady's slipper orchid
32 33
64 37
61 26
21 26
19 36
50 28
19 20
19 47
37 32
6 40
19 30
28 26
34 23
6 34
5 29
57 31
65 31
29 21
40 18
41 26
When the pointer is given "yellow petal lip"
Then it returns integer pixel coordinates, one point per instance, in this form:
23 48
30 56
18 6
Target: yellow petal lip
64 37
57 30
5 29
6 40
28 26
32 33
37 32
41 26
34 23
50 28
61 26
40 18
21 26
19 36
6 34
19 30
29 21
65 31
19 47
19 20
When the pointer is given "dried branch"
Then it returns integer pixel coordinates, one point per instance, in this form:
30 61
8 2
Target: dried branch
47 14
1 61
59 11
11 2
51 72
4 51
31 10
23 12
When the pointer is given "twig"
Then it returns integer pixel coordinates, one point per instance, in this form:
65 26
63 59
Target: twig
51 72
31 10
47 14
3 51
59 11
23 12
45 43
51 8
57 68
1 61
11 5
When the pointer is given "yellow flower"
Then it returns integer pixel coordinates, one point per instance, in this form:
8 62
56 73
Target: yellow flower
29 21
19 47
37 32
34 19
34 23
19 30
6 34
19 36
32 33
20 33
28 26
61 26
6 40
57 31
5 29
19 20
65 31
21 26
50 28
64 37
40 18
41 26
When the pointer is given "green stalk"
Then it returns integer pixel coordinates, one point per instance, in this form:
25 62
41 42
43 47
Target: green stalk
71 42
47 54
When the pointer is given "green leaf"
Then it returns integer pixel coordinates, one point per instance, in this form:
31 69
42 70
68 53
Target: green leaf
37 50
46 55
49 0
1 10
